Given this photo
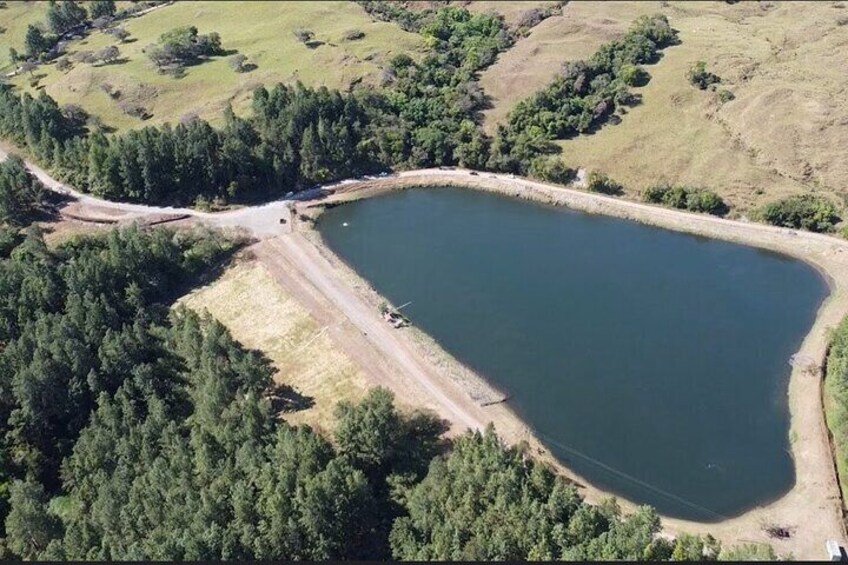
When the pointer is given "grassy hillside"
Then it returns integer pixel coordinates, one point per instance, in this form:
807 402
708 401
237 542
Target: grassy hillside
782 134
14 19
262 31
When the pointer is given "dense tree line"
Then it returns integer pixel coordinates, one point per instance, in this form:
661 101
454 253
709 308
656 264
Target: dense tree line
430 112
581 97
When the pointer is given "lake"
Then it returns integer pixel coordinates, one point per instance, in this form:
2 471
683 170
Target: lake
653 363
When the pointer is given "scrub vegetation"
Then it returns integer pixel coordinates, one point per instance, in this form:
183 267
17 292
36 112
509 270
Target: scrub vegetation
804 211
686 198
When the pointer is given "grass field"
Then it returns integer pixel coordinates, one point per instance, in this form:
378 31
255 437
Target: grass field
14 19
262 31
260 315
784 133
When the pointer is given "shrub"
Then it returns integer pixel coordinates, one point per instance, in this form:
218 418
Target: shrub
353 35
113 93
118 33
699 76
102 8
63 64
75 114
134 110
303 35
599 182
686 198
551 169
725 95
109 54
633 75
802 211
237 62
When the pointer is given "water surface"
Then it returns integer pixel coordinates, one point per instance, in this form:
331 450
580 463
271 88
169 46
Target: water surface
653 363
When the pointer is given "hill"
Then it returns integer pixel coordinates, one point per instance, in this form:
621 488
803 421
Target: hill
781 135
261 31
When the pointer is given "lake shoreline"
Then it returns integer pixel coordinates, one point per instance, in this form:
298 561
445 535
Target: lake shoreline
816 488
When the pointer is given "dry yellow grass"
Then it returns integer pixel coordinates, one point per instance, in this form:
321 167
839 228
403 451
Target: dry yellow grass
262 31
261 315
784 133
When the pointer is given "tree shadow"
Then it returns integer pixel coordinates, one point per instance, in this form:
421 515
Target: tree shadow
247 67
51 204
286 400
314 43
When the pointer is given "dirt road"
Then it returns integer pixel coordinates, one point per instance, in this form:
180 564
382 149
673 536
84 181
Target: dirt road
319 272
421 374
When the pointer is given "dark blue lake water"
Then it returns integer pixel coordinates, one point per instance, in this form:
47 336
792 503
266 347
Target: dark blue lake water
653 363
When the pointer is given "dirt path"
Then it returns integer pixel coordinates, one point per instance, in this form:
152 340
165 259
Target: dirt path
318 272
421 374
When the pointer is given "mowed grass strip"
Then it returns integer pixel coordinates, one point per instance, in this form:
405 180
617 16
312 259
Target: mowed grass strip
261 315
262 31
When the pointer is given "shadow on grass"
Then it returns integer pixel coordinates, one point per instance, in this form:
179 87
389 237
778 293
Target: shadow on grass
286 400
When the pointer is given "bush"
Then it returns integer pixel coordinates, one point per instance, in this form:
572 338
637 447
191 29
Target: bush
303 35
353 35
237 62
633 75
118 33
134 110
725 95
551 169
599 182
686 198
803 211
699 76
